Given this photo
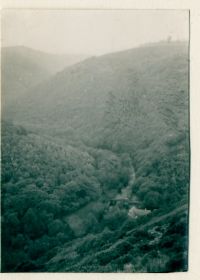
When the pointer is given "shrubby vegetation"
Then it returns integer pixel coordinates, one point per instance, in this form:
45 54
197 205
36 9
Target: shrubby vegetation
160 247
42 184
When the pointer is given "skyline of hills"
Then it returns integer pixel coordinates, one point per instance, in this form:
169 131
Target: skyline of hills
23 68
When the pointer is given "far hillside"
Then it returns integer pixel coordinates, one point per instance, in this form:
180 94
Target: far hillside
118 101
24 67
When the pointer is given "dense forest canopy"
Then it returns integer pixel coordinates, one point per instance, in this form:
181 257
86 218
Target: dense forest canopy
83 149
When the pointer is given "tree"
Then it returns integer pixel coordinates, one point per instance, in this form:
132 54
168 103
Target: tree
152 200
32 224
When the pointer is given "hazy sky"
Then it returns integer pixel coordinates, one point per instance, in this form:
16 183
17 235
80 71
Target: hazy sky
91 31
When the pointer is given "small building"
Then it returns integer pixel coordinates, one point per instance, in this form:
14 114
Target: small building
136 212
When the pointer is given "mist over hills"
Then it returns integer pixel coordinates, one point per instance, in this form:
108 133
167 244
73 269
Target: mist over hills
154 78
75 141
23 67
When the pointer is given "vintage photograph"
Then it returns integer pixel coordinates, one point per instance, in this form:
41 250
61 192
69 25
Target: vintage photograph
95 140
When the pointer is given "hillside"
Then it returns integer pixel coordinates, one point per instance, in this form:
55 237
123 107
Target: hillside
53 194
23 68
96 166
51 62
133 101
155 77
